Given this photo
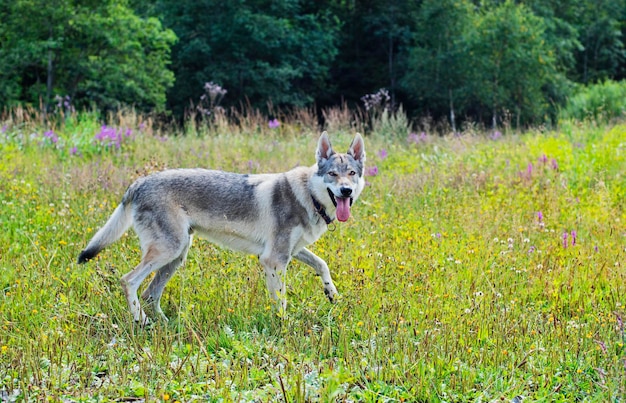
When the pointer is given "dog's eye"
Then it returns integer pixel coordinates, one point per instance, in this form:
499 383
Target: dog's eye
352 173
331 173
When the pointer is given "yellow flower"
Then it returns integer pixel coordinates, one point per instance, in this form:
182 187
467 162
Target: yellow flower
4 349
166 397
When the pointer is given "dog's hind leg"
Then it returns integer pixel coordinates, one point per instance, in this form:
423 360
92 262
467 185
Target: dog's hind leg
158 255
152 260
321 268
152 294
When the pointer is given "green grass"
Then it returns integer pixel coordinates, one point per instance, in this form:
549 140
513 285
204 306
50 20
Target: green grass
452 289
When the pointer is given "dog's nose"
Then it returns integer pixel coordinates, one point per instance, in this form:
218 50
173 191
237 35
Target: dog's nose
346 192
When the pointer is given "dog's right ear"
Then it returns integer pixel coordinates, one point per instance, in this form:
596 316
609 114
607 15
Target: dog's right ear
324 149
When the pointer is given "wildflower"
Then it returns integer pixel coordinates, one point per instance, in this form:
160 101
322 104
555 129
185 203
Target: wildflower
495 135
602 346
529 169
554 164
543 159
273 124
376 100
371 171
574 234
52 136
596 249
109 136
214 90
382 154
73 151
565 236
417 138
540 216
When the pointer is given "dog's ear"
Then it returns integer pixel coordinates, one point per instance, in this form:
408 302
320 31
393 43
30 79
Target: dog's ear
357 148
324 149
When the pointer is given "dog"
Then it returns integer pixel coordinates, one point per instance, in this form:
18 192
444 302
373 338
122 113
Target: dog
274 216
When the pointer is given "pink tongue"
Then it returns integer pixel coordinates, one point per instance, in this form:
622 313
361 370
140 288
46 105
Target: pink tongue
343 208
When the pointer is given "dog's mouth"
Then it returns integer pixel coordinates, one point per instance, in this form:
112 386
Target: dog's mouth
342 204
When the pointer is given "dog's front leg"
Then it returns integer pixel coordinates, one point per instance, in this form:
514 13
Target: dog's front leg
321 268
275 268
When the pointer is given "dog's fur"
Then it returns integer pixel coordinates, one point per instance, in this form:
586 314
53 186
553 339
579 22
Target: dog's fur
273 216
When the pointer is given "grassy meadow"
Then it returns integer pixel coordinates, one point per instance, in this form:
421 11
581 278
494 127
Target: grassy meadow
475 267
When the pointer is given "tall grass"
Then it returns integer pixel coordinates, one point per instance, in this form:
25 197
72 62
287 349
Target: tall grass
473 268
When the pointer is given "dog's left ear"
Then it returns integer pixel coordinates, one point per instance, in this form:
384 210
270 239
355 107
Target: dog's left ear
324 149
357 149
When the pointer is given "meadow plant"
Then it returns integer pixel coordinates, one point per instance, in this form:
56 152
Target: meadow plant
414 138
376 102
273 124
459 281
211 99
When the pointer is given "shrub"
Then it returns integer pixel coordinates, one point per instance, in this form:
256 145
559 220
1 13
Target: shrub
600 102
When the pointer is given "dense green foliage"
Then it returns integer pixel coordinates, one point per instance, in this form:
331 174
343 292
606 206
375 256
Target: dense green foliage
601 102
475 268
496 62
94 52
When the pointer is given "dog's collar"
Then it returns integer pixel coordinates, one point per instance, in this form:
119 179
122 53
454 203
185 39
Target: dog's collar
321 211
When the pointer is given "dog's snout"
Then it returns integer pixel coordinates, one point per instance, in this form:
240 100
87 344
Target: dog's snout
346 192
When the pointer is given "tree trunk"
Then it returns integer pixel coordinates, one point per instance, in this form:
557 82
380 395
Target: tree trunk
452 120
49 80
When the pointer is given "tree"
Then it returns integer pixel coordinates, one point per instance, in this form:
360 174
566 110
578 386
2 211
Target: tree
98 52
437 73
510 63
599 25
259 50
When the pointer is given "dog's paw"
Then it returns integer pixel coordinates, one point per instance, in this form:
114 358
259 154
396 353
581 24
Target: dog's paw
331 292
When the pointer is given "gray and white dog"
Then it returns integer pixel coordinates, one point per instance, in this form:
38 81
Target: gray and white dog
273 216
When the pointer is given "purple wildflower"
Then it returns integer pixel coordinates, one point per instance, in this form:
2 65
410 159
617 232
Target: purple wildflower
540 216
52 136
532 249
73 151
495 135
565 236
554 164
596 249
602 346
529 170
375 101
371 171
273 124
109 136
438 235
4 129
382 154
574 234
417 138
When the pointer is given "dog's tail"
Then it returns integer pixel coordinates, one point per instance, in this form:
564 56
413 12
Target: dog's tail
118 223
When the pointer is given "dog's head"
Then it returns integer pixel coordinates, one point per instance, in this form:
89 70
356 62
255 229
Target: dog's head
341 175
